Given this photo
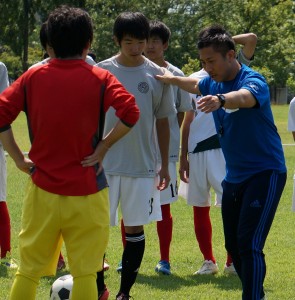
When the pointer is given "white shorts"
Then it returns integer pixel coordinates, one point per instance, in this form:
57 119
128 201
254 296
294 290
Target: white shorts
206 170
170 194
3 175
139 199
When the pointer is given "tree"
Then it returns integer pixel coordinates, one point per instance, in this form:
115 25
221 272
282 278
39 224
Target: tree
271 20
273 23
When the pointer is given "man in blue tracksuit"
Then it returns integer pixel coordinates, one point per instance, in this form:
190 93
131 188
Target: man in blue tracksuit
255 165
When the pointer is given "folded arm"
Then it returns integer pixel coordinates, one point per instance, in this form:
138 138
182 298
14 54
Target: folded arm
10 145
119 130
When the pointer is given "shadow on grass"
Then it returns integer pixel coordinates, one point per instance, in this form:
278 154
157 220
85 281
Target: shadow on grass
3 271
174 282
51 279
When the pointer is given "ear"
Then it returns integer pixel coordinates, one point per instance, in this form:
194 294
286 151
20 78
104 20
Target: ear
165 46
116 41
231 54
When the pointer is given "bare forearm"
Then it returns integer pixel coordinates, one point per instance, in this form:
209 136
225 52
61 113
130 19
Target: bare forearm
115 134
249 41
163 133
245 38
10 145
237 99
187 84
119 130
185 133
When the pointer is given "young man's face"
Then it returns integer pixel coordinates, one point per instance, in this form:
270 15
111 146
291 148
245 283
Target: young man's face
155 48
216 65
132 48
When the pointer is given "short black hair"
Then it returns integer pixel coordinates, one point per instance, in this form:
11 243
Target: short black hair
217 37
134 24
69 29
43 35
160 29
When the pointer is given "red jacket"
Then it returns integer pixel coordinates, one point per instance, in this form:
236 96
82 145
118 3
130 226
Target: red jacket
62 103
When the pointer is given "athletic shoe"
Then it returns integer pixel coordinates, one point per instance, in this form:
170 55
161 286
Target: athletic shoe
208 267
105 266
119 269
8 262
122 296
163 267
230 270
104 294
60 264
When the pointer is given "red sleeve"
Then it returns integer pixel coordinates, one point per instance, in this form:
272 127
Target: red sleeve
121 100
12 102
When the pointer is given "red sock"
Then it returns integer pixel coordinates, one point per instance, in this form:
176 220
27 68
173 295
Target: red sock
203 231
164 229
4 229
229 260
123 233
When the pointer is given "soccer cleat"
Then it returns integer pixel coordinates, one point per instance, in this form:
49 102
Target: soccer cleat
230 270
208 267
60 264
122 296
163 267
104 294
119 269
8 262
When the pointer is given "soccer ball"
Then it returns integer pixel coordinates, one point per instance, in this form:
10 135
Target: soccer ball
61 288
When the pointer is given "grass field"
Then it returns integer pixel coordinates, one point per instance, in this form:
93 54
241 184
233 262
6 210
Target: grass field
185 255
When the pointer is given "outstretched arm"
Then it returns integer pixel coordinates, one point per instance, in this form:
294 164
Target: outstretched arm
237 99
248 41
185 83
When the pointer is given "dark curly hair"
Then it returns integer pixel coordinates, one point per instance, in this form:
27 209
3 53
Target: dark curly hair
217 37
161 30
69 29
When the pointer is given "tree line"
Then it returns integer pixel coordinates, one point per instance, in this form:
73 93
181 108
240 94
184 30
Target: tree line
271 20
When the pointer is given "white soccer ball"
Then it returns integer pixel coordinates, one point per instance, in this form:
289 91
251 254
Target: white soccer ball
61 288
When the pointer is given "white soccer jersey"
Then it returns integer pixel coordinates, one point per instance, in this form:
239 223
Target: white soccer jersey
291 116
203 126
3 77
4 83
183 103
135 154
243 59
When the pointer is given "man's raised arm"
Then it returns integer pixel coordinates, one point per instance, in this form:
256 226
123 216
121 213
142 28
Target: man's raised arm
185 83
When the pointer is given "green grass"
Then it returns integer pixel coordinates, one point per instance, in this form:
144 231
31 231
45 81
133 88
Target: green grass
185 254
